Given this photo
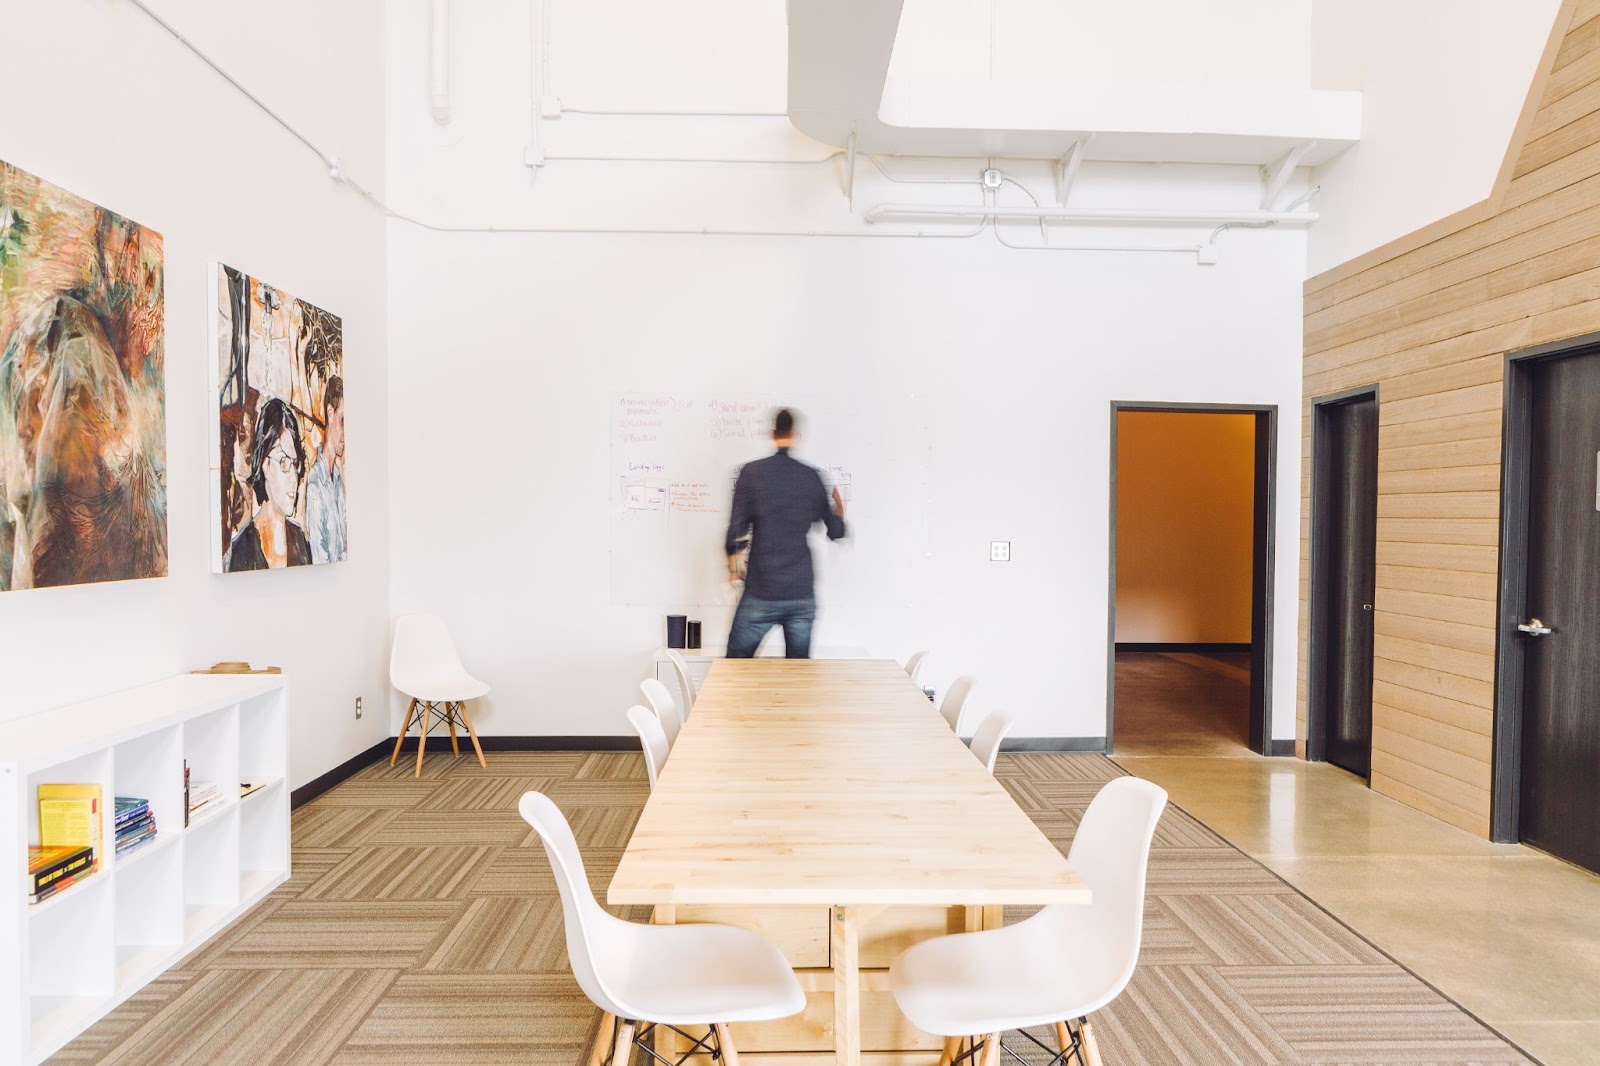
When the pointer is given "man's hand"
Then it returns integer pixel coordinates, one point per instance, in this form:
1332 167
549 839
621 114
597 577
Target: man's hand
838 502
736 567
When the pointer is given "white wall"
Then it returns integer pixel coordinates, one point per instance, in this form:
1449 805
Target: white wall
1443 83
108 105
507 350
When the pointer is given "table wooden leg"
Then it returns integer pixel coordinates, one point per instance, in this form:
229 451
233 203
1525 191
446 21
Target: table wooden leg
664 1041
845 950
401 739
473 734
422 738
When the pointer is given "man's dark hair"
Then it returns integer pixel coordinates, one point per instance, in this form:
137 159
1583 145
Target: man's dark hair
274 421
332 395
783 423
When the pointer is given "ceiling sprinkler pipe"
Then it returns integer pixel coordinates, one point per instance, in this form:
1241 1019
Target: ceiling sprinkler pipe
439 65
892 212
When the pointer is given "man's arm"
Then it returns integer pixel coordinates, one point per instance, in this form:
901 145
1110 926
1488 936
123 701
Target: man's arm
739 524
831 516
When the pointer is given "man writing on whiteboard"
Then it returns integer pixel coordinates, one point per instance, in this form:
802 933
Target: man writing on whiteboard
776 501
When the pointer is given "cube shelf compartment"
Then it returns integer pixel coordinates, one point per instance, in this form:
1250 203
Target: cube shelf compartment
68 961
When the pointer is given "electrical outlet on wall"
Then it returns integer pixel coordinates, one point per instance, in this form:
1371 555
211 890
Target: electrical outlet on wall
999 551
358 706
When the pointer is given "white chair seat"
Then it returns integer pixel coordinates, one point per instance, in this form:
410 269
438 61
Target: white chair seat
687 975
452 689
1036 972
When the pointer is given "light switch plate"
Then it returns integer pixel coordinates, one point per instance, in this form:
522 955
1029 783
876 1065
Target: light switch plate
999 551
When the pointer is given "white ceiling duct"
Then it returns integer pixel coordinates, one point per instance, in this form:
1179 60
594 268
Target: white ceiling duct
839 85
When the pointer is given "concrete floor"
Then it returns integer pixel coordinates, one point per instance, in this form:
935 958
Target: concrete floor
1509 933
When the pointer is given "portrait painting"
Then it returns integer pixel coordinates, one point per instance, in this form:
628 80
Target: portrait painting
83 435
280 486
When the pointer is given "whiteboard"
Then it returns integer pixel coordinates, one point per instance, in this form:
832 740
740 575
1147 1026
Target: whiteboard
674 460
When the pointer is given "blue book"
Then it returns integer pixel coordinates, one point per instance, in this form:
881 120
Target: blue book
129 808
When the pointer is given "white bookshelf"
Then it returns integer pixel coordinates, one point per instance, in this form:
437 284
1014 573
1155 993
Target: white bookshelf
68 961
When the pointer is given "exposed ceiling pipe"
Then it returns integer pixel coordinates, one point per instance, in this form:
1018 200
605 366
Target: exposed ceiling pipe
892 212
439 66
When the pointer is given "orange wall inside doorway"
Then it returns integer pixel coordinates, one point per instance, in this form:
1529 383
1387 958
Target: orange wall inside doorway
1185 492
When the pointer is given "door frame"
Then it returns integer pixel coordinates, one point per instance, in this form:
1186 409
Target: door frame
1321 472
1264 545
1505 794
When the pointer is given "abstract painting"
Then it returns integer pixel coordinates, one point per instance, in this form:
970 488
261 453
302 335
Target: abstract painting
279 489
83 428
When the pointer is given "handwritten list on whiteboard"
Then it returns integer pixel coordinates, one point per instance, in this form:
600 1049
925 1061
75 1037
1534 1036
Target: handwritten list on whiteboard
675 458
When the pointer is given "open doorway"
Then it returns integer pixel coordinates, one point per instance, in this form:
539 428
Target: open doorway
1192 488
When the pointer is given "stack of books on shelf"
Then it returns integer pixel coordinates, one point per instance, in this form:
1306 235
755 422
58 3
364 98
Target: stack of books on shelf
70 833
201 795
136 824
52 869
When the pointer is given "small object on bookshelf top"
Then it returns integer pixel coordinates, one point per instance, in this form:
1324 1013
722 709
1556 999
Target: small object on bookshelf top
237 668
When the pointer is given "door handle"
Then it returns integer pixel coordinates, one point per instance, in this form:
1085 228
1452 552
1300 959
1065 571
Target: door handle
1534 628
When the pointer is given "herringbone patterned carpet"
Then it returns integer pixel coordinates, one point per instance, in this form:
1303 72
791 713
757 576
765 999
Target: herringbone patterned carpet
422 926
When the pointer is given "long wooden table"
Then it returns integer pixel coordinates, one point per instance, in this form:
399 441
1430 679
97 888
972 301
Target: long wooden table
827 804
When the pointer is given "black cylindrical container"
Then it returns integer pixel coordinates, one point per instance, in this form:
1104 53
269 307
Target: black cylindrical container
692 635
677 625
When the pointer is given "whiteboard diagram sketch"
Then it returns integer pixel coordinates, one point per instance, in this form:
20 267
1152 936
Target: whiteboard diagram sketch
675 458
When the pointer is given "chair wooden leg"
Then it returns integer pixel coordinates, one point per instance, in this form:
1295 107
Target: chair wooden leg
952 1048
624 1049
422 739
401 739
991 1050
602 1041
1091 1050
730 1054
450 720
473 734
1063 1036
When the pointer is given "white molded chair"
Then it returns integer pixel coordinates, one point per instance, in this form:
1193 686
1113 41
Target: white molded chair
986 741
705 976
1064 963
660 700
424 665
955 700
914 664
685 684
652 738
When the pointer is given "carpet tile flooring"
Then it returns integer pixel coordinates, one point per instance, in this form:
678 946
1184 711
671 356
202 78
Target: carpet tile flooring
422 925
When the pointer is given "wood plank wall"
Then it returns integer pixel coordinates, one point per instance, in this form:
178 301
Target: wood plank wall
1429 319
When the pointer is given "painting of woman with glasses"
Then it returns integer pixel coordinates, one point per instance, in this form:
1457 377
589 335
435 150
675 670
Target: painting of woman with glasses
280 446
273 537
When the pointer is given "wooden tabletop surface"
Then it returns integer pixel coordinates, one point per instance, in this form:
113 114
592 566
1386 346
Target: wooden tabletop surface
831 782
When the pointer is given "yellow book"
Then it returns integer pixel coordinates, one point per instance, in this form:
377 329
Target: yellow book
71 815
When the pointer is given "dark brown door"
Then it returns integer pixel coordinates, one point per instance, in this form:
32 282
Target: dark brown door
1346 443
1560 808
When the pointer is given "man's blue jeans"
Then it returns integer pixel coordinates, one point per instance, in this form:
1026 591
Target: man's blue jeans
755 616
